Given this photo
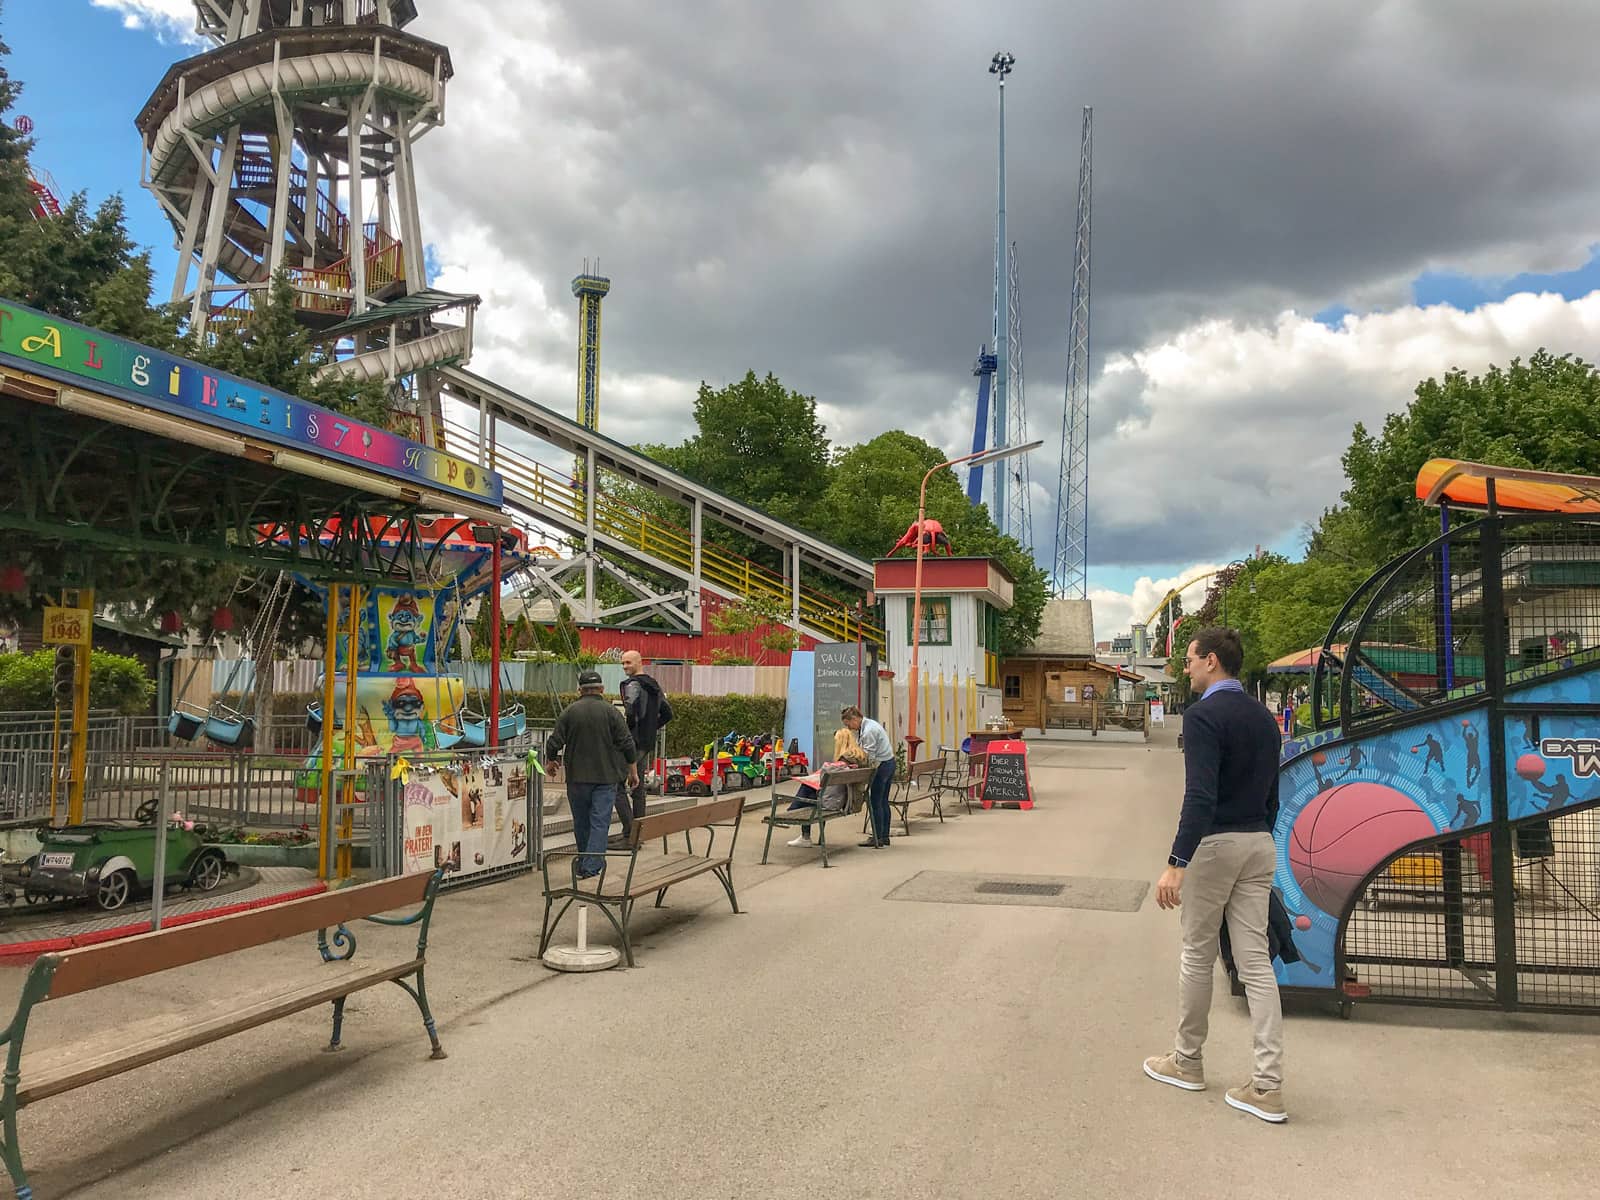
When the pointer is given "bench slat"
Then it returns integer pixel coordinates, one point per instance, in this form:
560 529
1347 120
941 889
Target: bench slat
60 1069
652 874
91 967
695 816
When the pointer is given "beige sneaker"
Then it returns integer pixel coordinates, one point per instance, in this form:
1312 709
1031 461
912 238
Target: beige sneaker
1266 1105
1167 1069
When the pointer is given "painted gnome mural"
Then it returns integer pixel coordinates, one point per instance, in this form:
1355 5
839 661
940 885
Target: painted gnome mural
408 629
405 699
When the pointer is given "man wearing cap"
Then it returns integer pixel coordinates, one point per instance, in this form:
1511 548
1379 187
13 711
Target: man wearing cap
592 739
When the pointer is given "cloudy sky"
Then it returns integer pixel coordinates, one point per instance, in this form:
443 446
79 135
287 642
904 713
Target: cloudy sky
1299 212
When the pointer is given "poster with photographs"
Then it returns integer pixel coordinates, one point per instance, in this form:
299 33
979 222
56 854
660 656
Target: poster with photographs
466 817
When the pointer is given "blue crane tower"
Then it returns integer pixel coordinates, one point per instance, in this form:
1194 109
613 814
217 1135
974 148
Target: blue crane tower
999 365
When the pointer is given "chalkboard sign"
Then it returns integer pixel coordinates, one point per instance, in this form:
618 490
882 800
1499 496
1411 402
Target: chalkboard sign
1005 775
840 678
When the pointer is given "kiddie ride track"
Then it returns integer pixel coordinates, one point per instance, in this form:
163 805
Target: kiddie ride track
1439 831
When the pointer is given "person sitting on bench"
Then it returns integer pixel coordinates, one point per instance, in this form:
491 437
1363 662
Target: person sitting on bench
847 752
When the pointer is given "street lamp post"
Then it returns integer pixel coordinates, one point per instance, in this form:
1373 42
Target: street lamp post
979 459
1238 562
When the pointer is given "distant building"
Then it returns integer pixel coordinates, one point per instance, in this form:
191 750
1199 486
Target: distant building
1058 682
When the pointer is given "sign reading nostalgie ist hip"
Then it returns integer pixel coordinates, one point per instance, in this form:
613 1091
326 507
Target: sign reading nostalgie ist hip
181 387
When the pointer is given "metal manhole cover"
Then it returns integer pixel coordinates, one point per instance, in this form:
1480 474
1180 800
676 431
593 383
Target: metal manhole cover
1000 887
1043 891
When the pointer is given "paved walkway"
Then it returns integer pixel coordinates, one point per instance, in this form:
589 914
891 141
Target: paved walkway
830 1043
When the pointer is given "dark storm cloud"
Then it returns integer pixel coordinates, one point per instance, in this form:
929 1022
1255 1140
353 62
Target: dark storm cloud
810 189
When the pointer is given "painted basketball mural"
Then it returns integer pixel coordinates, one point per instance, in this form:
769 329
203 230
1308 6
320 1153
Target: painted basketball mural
1344 832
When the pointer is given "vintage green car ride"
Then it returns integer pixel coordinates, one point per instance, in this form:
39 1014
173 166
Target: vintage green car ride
111 861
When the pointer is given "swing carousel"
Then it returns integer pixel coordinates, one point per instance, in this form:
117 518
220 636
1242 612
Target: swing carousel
390 693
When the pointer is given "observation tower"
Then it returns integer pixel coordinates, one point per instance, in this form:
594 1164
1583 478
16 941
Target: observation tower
290 146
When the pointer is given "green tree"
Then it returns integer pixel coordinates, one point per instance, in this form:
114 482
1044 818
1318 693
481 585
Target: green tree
872 499
16 198
1543 413
758 442
275 349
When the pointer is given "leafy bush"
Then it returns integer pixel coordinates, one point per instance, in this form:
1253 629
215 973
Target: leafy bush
116 681
696 720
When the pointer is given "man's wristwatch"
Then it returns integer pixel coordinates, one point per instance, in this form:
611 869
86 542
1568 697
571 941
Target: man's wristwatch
1174 861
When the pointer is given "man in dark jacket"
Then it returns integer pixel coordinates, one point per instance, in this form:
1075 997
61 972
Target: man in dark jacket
592 739
647 711
1222 863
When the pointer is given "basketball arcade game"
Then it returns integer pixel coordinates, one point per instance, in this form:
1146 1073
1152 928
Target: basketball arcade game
1439 830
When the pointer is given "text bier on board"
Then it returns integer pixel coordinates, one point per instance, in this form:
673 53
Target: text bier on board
1005 775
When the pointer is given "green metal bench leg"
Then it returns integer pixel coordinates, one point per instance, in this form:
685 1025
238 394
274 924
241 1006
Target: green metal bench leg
549 925
661 897
338 1024
822 840
725 878
766 848
12 1151
420 995
622 928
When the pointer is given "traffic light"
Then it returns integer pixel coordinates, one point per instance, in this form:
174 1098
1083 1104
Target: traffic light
63 682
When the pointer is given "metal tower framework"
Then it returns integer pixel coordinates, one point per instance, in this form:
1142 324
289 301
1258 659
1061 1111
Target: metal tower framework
289 146
590 289
1001 66
1072 495
1019 516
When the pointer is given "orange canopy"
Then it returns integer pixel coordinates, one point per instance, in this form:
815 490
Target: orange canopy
1466 485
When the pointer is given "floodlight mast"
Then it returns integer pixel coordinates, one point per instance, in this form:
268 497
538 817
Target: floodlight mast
1001 66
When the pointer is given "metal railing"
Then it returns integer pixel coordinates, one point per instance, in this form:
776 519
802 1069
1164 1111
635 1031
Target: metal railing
248 789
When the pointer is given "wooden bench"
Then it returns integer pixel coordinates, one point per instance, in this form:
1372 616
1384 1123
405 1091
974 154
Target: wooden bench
921 782
854 779
646 871
42 1074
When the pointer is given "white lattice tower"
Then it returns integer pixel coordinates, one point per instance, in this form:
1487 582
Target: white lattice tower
289 145
1019 501
1069 575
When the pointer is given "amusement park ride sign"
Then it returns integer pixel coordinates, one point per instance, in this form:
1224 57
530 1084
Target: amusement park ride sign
180 387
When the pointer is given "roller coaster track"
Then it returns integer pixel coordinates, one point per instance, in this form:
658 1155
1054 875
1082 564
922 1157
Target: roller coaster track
556 498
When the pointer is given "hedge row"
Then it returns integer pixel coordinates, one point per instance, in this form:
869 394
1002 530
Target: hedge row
696 720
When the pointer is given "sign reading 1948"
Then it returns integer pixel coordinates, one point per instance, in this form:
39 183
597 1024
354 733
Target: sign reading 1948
181 387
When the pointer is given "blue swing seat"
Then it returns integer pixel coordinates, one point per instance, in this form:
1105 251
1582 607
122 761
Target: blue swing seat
475 726
185 723
229 728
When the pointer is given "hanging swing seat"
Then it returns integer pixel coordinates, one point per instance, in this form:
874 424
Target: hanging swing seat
448 734
227 727
185 722
475 726
314 719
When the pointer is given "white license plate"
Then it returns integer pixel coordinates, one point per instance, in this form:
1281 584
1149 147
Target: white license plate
56 860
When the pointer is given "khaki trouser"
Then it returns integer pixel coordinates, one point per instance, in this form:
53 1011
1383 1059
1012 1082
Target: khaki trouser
1230 873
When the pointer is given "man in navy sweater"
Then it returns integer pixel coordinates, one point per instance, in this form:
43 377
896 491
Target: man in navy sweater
1221 865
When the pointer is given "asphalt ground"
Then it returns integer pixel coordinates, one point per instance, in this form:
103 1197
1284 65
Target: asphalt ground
826 1042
